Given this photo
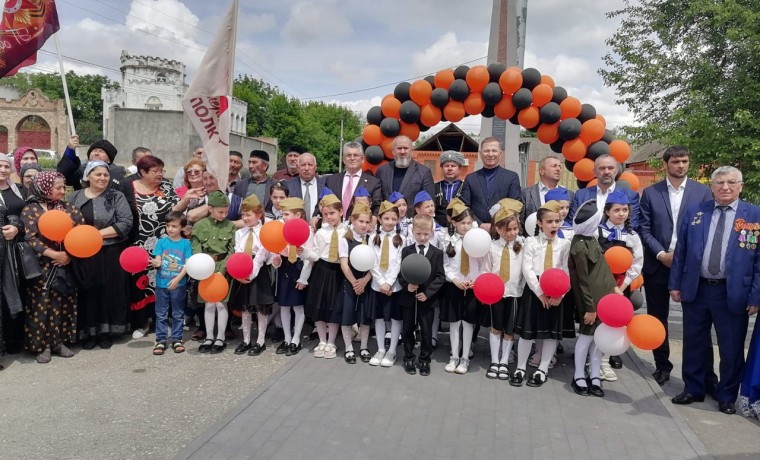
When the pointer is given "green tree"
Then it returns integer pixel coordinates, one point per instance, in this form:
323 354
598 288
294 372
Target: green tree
690 72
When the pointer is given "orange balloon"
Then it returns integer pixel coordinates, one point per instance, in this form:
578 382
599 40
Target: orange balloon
444 78
592 183
54 225
272 237
367 166
620 150
528 117
505 109
430 115
591 131
619 259
454 111
410 130
631 179
637 282
646 332
474 104
584 169
372 135
547 133
387 145
215 287
83 241
574 150
542 95
547 80
511 80
420 91
570 107
391 107
477 78
602 119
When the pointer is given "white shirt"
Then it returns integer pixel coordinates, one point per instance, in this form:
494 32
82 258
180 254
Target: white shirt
533 258
516 284
323 237
390 276
676 197
313 195
451 265
308 256
542 190
354 184
601 199
260 255
633 242
424 251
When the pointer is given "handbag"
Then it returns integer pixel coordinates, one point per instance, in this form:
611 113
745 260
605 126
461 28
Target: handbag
30 264
60 280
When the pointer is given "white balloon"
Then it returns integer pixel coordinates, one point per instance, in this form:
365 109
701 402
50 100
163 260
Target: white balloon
362 257
530 224
477 242
200 266
611 340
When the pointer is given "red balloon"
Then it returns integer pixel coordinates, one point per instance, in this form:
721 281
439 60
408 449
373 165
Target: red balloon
134 259
296 231
554 282
488 288
240 265
615 310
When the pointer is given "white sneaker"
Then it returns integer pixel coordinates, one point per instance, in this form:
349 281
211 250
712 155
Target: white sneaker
140 333
319 352
464 364
607 373
378 358
389 360
452 365
330 351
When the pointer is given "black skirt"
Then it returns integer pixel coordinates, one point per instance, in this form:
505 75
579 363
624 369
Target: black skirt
287 276
256 296
458 305
322 297
381 306
353 306
536 322
569 317
502 315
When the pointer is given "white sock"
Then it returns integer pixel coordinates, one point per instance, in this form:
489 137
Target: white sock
209 314
596 361
523 351
605 359
332 332
364 335
547 353
582 345
454 336
348 334
222 315
506 350
285 321
262 321
467 331
322 331
380 333
494 340
395 332
436 322
247 321
300 318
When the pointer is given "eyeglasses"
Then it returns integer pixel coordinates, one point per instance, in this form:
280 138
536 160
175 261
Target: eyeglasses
156 171
194 172
731 183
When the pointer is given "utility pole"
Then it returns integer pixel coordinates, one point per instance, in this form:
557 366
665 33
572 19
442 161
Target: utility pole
340 147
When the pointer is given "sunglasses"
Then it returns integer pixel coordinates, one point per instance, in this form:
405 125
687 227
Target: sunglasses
194 172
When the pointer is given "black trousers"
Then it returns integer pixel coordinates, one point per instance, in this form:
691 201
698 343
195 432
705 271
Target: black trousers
424 317
658 305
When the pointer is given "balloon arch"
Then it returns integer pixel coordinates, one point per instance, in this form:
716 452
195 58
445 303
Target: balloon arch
523 97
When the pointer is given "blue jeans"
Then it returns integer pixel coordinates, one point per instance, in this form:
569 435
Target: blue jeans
174 300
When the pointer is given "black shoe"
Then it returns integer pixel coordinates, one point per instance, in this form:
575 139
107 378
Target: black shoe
205 346
242 348
282 348
727 408
293 349
517 378
89 344
313 335
105 342
218 347
661 376
595 389
349 357
278 335
616 362
560 349
364 355
537 379
579 390
257 349
687 398
424 369
409 367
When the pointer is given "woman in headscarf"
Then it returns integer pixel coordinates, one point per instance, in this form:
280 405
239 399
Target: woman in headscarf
103 285
28 171
51 316
22 156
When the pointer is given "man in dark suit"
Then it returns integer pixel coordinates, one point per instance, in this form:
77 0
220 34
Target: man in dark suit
307 185
450 186
403 174
259 183
662 210
605 170
716 276
489 184
549 174
343 185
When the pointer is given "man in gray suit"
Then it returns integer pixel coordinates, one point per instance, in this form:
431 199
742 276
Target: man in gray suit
405 175
549 174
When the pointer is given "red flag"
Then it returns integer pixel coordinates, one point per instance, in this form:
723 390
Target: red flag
24 28
208 100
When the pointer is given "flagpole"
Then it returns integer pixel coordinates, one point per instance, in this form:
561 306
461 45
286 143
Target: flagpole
65 87
234 44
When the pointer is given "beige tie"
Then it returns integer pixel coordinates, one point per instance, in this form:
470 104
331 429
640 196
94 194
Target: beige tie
385 254
464 262
292 254
249 243
548 259
504 268
333 255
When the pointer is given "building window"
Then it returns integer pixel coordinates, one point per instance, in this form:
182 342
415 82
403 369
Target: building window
161 78
153 103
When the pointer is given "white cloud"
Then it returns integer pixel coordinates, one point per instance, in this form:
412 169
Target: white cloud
447 51
316 22
349 73
257 23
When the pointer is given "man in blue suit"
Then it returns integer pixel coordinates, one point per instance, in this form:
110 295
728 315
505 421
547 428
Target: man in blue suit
662 210
605 170
307 185
485 187
716 277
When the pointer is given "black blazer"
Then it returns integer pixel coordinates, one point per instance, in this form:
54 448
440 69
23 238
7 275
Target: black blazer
294 190
416 179
475 194
335 183
241 190
431 286
441 202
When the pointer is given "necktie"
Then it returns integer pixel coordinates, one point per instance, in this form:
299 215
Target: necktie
347 193
248 249
384 254
716 249
548 259
307 200
504 268
333 255
464 262
422 249
292 254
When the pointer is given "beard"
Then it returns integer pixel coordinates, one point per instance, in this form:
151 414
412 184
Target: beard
403 162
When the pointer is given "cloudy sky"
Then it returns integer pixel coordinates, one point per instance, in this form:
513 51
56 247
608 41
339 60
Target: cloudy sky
350 52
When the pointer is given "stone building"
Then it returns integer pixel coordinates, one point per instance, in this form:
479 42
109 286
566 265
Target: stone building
32 120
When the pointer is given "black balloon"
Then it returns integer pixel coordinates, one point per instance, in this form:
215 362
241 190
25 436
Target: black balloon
459 90
569 165
492 93
619 173
557 146
514 120
550 113
622 184
608 136
598 149
495 70
365 146
423 128
402 91
588 112
569 128
415 268
522 98
439 98
581 184
488 111
531 78
409 112
460 73
374 154
430 79
559 94
375 115
390 127
637 299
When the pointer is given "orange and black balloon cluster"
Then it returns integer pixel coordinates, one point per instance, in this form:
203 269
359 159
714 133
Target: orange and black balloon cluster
523 97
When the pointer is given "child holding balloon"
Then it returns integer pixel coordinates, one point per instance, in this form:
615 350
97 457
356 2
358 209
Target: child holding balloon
540 316
382 303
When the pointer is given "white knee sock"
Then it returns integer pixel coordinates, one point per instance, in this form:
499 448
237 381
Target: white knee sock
395 332
506 350
222 315
332 332
582 345
298 327
467 331
364 335
348 335
209 315
247 321
380 333
454 336
547 353
285 321
436 322
596 361
523 351
494 340
322 331
261 321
